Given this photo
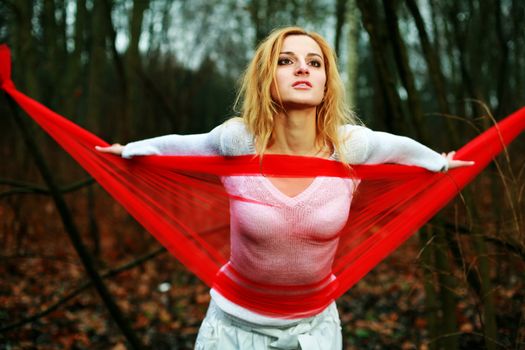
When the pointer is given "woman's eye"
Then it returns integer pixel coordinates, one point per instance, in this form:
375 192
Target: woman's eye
315 63
284 61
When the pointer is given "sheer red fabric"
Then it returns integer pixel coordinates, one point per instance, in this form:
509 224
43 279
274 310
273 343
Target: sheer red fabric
182 201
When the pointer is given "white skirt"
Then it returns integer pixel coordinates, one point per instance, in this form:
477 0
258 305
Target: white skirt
221 331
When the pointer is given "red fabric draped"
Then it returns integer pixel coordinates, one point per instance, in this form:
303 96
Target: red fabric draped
182 202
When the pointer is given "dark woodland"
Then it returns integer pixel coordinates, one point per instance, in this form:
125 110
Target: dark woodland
77 272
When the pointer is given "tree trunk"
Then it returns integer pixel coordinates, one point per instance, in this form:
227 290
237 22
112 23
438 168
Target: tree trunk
25 48
340 11
466 85
255 9
123 125
97 66
75 84
403 67
490 328
444 44
73 232
93 229
393 111
431 301
352 53
434 69
518 33
134 62
49 31
485 292
503 64
449 324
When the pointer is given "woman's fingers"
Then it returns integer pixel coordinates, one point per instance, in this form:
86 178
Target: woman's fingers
115 148
456 163
459 163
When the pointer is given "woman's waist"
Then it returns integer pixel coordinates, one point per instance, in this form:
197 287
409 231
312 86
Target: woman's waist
243 316
285 301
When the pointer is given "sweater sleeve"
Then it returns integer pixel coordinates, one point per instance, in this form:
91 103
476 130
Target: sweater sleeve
388 148
182 145
377 147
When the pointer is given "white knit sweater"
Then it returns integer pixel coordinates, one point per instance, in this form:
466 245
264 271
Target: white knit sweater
361 146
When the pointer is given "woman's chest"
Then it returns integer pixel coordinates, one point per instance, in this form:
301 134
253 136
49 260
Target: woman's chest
262 208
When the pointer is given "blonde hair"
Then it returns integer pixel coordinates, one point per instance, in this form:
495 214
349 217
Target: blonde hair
259 108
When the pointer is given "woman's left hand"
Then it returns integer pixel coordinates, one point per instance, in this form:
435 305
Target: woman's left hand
454 163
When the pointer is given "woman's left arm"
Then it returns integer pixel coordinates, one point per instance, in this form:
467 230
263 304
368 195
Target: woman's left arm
388 148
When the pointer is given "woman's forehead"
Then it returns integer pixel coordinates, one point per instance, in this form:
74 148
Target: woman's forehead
302 44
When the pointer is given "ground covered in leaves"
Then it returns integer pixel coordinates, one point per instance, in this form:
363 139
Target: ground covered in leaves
165 304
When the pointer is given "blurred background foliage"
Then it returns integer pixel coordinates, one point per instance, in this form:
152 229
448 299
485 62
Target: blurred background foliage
437 71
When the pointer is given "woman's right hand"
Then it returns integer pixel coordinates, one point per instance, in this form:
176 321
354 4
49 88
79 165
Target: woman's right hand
115 149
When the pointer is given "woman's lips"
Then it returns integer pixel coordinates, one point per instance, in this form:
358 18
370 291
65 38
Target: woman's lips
302 84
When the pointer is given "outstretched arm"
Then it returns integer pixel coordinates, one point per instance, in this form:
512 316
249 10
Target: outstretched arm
198 144
388 148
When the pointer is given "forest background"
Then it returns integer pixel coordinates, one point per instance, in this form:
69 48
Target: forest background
437 71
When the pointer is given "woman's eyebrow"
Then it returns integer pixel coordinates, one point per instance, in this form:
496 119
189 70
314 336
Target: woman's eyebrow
293 54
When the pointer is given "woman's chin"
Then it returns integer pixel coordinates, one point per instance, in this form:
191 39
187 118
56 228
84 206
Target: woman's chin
301 104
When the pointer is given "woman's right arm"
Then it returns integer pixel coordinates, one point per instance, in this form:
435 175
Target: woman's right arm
198 144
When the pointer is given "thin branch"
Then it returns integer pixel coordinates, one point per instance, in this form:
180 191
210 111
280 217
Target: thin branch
30 188
19 191
514 248
455 334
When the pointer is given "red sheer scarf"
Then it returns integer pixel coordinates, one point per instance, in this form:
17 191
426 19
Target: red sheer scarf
182 202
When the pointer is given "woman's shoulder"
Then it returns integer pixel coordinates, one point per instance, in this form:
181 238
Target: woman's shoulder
350 129
236 139
355 139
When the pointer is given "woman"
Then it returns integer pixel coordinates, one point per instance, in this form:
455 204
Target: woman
292 103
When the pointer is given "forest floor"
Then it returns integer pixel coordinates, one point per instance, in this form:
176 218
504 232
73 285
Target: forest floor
165 304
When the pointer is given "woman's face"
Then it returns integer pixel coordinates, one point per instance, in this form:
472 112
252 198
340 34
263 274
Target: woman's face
300 76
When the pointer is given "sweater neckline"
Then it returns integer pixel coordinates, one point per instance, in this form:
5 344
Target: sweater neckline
284 198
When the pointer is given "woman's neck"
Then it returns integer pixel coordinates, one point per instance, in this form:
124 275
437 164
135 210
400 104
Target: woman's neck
295 133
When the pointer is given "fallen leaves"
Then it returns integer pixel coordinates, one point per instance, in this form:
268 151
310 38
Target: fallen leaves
165 303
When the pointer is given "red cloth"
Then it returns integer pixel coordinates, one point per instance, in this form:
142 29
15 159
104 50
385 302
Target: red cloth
180 200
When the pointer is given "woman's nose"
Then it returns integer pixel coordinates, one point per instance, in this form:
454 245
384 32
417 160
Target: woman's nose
302 68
